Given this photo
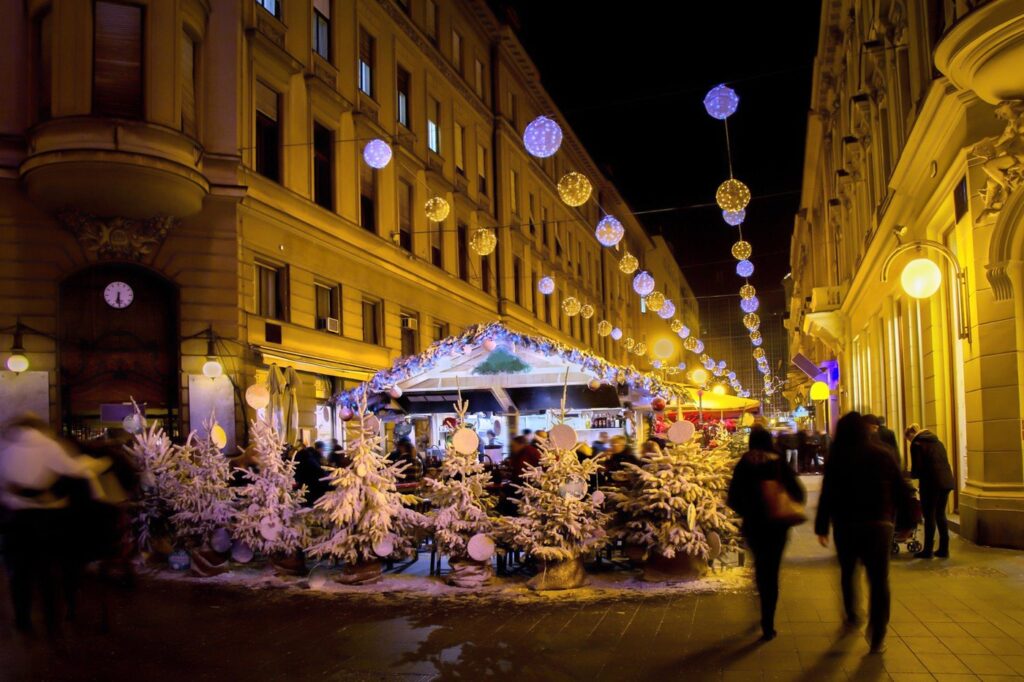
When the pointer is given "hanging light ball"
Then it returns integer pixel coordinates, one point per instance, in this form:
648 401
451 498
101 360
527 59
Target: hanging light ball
732 195
483 241
542 137
921 278
604 328
684 332
721 364
741 250
751 321
609 231
643 283
709 364
436 209
668 309
747 291
628 263
755 337
656 364
690 344
571 306
546 285
676 326
758 353
700 347
212 369
663 349
721 102
640 348
616 334
655 300
731 376
750 305
17 363
704 357
629 343
587 311
574 188
681 366
699 377
377 154
744 268
734 218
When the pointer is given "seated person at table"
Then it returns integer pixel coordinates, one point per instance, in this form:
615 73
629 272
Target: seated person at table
404 452
521 454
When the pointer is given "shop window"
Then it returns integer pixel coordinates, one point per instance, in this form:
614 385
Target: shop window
372 321
268 133
322 28
272 291
117 60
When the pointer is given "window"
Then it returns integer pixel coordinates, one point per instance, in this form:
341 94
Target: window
462 233
544 226
517 280
434 125
371 321
439 330
326 307
322 28
188 84
403 81
457 51
368 199
272 6
366 47
268 133
430 20
436 245
513 191
44 64
481 169
532 202
547 309
410 326
459 142
405 215
272 291
485 273
960 202
478 78
117 60
323 166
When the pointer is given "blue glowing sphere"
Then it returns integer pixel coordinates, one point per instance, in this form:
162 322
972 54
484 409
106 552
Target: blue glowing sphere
616 333
542 137
721 364
377 154
763 369
756 342
668 309
656 364
734 218
643 283
744 268
609 231
681 365
732 376
721 102
709 363
699 348
546 285
750 305
684 332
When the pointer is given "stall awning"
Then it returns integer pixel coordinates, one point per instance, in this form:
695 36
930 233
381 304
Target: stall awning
313 364
435 402
537 398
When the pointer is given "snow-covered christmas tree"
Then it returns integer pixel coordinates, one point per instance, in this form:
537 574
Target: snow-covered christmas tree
202 501
461 502
363 518
675 504
270 516
156 460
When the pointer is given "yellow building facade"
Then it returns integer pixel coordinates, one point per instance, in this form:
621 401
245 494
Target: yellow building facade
914 150
183 180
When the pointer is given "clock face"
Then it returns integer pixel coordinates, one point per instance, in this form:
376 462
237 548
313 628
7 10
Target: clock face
118 295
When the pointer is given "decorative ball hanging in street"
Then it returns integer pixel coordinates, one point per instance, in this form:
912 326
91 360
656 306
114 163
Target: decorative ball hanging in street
676 326
756 341
758 353
750 305
684 332
734 218
690 344
616 334
628 342
604 328
655 300
751 321
628 263
436 209
732 195
721 102
709 364
921 278
17 363
747 291
587 311
574 188
744 268
546 285
667 310
542 137
704 357
741 250
483 241
643 283
609 231
571 306
663 349
700 347
640 348
377 154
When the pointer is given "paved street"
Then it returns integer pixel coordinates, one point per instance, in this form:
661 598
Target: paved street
956 620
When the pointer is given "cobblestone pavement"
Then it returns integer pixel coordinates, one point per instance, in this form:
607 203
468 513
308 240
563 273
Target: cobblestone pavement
960 619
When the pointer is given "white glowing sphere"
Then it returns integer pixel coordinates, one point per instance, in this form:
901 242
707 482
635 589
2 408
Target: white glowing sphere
609 231
744 268
546 285
377 154
921 278
684 332
750 305
212 369
257 396
668 309
643 283
734 218
542 137
721 102
616 333
17 363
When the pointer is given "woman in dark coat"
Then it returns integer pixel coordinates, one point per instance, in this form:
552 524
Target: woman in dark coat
766 538
929 464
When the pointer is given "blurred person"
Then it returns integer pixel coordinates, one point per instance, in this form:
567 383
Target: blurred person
309 472
600 445
650 448
929 464
618 453
405 453
874 424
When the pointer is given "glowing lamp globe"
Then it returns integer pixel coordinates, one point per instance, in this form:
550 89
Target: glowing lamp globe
700 347
594 384
629 342
616 333
436 209
546 286
377 154
921 278
668 309
751 321
741 250
676 326
640 348
628 263
587 311
732 195
604 328
609 231
684 332
747 291
542 137
483 241
574 188
571 306
663 349
690 344
734 218
819 391
721 102
17 363
749 305
643 283
699 376
212 369
655 301
719 389
744 268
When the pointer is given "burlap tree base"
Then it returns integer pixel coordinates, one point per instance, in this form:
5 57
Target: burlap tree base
360 573
469 573
289 564
206 563
559 575
681 567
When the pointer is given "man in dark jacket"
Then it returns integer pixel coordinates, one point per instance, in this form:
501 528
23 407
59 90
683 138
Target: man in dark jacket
929 464
860 495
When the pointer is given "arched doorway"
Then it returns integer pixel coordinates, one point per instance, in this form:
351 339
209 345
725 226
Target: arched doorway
118 340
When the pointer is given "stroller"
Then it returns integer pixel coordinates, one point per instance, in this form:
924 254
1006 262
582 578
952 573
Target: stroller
907 522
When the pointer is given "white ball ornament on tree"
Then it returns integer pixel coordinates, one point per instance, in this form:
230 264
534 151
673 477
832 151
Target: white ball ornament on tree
490 345
721 102
542 137
643 283
385 547
562 437
270 528
377 154
241 553
575 488
465 441
220 541
346 414
133 423
257 396
480 547
609 231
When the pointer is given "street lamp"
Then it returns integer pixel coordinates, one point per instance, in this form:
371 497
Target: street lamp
820 393
921 278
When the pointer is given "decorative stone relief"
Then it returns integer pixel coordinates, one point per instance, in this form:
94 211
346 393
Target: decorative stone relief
116 238
1002 158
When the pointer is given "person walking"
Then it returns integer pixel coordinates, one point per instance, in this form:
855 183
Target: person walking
885 438
860 495
929 464
766 536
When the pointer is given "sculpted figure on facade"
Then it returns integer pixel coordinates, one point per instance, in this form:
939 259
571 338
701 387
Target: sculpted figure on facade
1002 158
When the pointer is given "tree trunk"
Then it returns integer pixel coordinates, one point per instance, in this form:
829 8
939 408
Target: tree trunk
559 575
679 568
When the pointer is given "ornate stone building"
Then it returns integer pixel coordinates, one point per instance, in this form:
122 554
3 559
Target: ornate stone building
915 146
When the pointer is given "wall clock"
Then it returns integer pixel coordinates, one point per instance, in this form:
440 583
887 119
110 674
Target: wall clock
118 295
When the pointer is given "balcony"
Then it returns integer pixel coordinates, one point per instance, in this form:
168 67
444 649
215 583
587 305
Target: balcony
984 49
113 167
827 299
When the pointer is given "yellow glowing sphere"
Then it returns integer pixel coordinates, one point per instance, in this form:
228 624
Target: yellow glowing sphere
676 326
571 306
628 263
741 250
699 376
719 389
704 357
484 241
663 349
640 348
629 343
690 343
751 321
587 311
655 301
212 369
17 363
819 391
758 353
755 336
604 328
921 278
436 209
747 291
732 195
574 188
